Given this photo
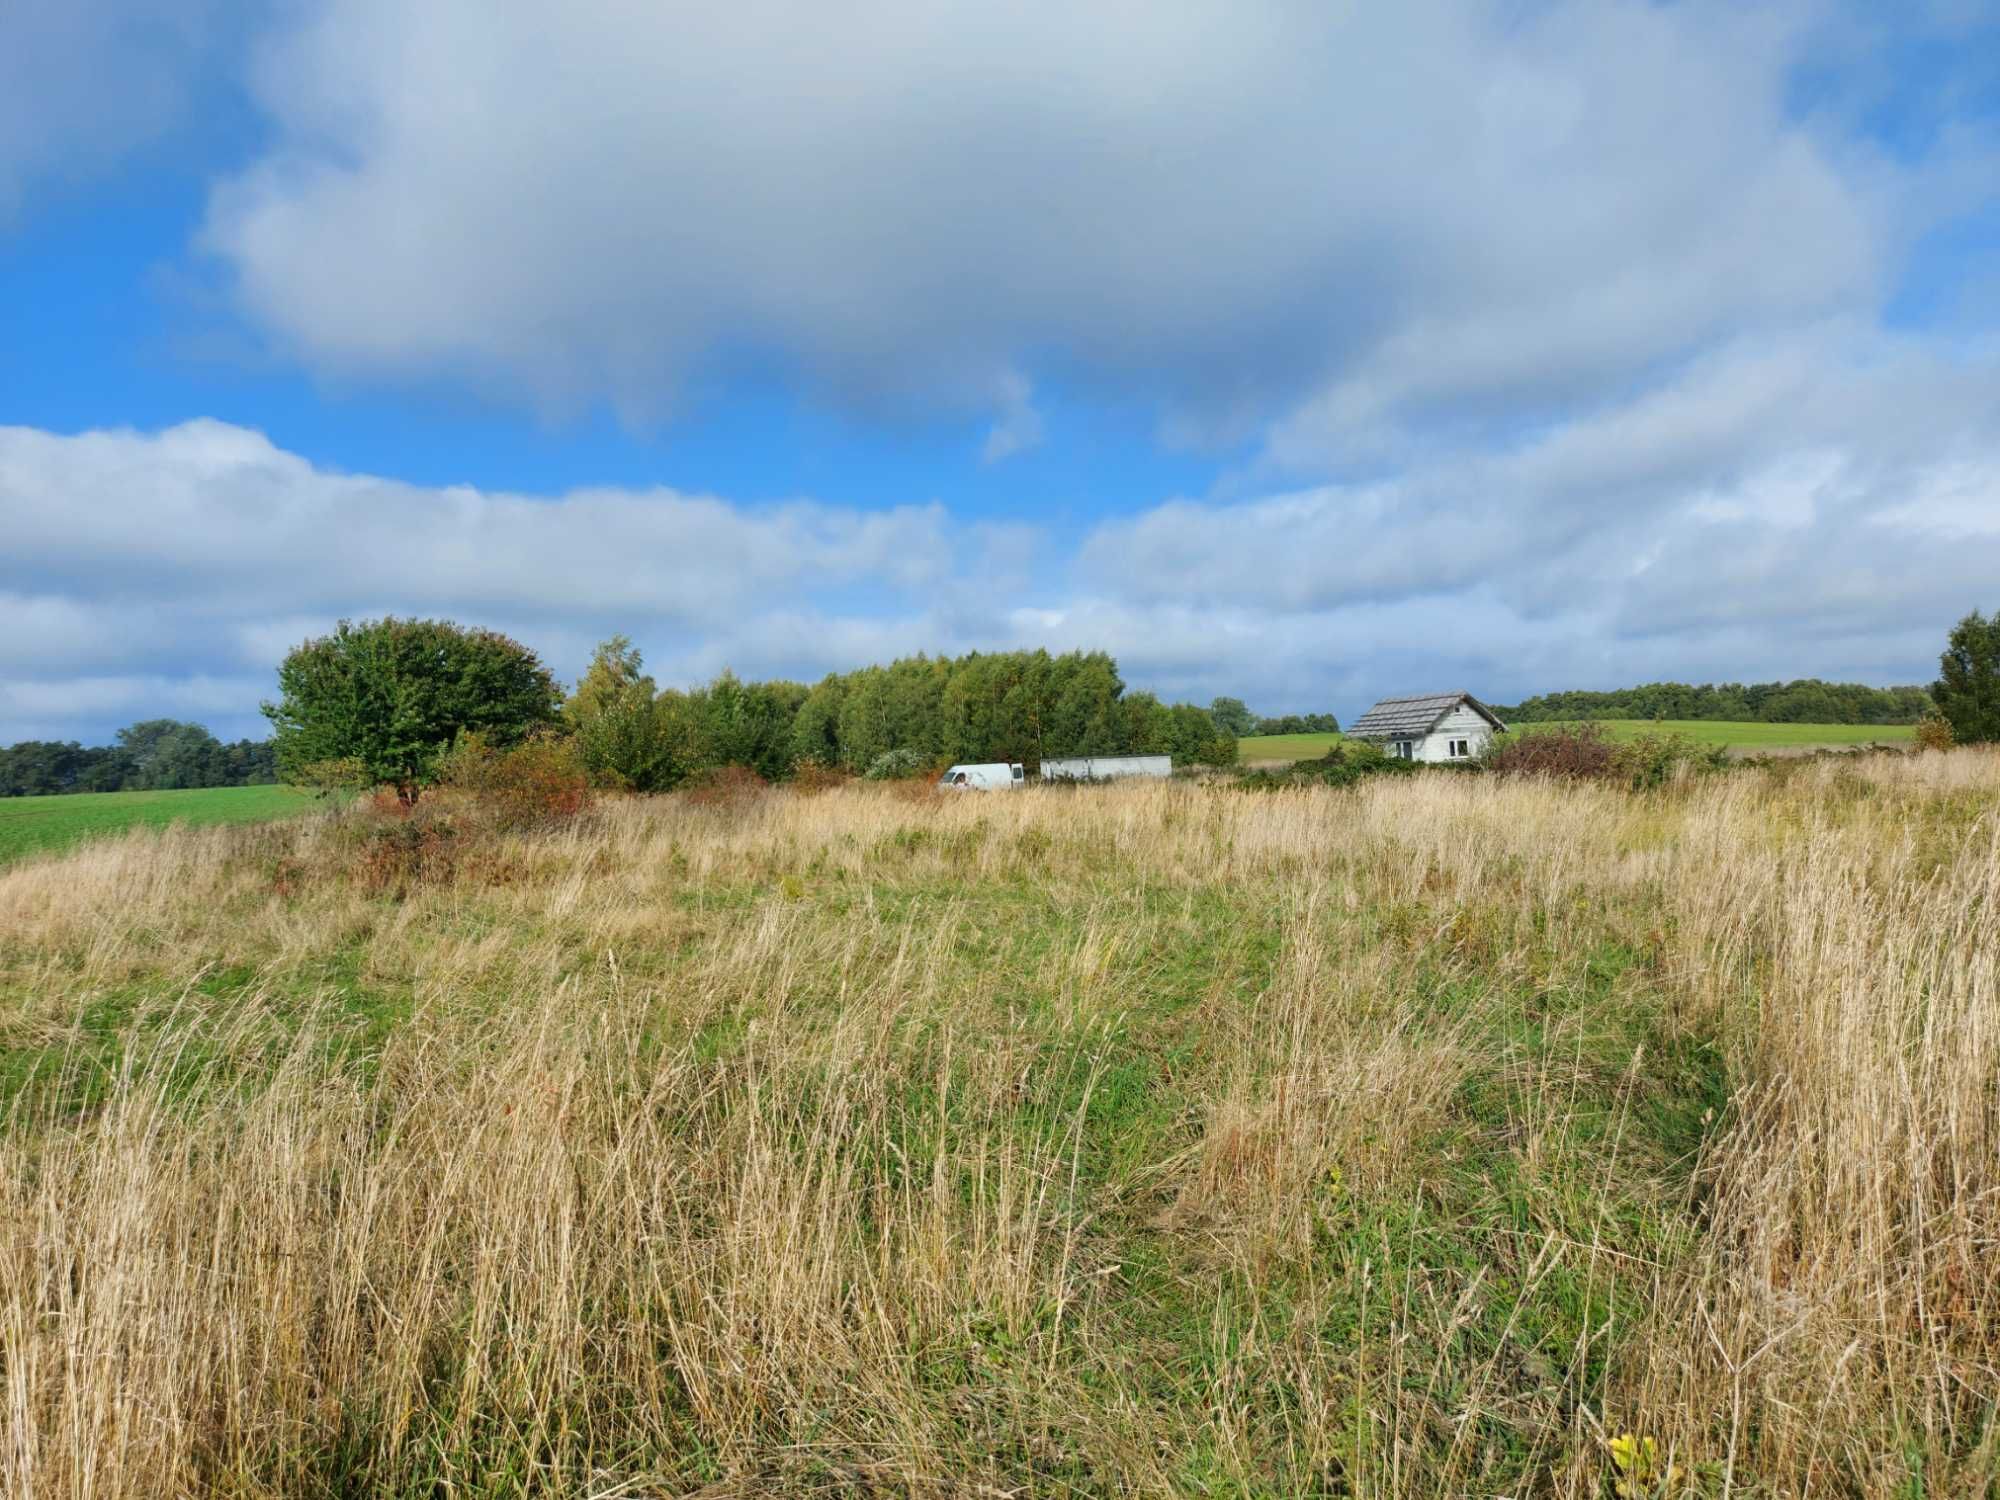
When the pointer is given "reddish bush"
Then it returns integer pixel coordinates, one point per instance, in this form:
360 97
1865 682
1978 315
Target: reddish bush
811 777
1585 752
537 782
1579 752
288 876
920 789
726 787
419 846
387 802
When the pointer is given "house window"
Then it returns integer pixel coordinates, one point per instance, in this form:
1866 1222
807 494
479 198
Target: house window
1460 749
1402 749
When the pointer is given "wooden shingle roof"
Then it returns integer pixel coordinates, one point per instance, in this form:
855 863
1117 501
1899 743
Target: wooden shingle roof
1412 718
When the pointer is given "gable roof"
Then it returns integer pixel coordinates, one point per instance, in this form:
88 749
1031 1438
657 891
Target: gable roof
1399 718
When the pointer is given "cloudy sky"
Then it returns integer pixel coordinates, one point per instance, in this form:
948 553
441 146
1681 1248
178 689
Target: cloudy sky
1302 351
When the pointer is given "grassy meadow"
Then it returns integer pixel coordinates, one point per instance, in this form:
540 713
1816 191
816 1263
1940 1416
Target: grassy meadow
28 824
1440 1136
1268 747
1752 736
1749 737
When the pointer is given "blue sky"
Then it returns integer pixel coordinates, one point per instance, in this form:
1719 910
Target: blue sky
1301 352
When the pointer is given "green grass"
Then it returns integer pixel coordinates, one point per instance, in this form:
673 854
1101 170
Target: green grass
1737 735
32 824
1284 746
1752 736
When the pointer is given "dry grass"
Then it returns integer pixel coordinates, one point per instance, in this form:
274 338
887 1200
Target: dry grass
1410 1140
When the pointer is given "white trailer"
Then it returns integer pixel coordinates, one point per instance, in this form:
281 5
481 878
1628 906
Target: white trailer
1106 767
987 776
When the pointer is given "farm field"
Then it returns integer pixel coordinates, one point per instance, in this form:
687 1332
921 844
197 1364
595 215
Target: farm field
1755 736
1262 747
36 823
1746 736
1438 1136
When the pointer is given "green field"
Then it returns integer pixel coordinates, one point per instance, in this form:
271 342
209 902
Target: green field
1752 736
28 824
1258 747
1735 734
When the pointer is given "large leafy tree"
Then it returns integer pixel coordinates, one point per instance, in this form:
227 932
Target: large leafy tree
1967 691
749 723
390 696
624 731
1232 716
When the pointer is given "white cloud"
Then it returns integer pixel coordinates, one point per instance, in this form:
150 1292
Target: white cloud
1810 451
1378 211
1808 505
200 553
218 511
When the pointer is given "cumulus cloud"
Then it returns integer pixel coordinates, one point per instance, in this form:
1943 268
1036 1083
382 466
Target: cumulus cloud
221 511
1823 485
197 555
1370 211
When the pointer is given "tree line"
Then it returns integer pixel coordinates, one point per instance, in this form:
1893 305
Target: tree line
1234 716
383 702
157 755
386 701
1805 701
916 711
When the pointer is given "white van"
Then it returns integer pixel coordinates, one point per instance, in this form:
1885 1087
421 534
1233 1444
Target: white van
992 776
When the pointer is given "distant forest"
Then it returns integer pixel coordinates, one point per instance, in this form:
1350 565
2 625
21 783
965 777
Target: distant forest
156 756
1806 701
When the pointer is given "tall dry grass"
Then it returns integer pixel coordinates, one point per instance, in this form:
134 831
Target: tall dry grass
1417 1139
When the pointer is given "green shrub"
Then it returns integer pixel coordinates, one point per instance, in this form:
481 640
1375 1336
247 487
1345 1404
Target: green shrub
1347 763
1967 692
1656 759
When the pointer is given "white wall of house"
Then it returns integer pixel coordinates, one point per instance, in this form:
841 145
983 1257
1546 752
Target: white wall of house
1460 730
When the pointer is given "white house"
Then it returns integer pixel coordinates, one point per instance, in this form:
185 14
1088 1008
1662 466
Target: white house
1433 727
